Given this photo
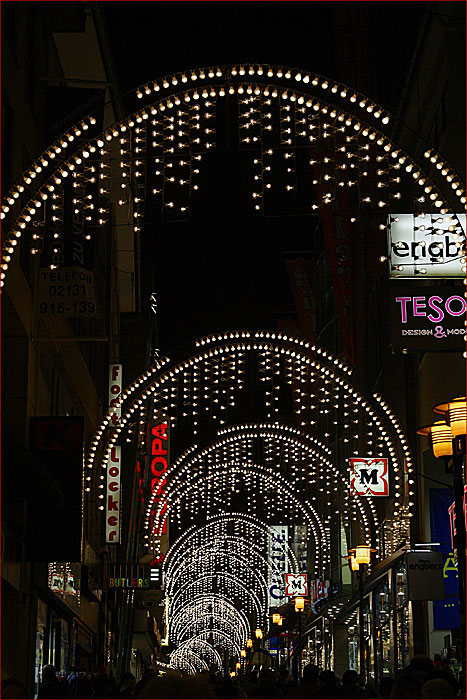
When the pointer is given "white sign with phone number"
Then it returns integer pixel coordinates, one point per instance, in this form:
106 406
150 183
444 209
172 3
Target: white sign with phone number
68 292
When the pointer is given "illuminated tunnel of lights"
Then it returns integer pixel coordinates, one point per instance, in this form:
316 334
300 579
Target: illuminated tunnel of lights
232 477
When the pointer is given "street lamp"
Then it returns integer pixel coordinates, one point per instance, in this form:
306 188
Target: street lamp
259 637
249 646
299 608
360 556
448 440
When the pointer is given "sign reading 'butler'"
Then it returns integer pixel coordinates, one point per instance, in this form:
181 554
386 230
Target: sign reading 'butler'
369 476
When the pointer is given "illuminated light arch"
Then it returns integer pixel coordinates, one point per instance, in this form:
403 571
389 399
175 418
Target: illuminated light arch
187 659
214 607
194 645
277 482
300 364
247 519
239 432
216 545
341 107
232 558
185 590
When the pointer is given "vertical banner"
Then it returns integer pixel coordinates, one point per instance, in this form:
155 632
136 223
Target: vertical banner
112 512
159 455
115 390
445 612
278 538
342 252
299 546
301 277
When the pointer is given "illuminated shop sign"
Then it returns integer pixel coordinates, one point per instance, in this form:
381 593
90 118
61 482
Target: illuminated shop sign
428 318
137 576
278 538
319 590
112 512
296 584
426 246
115 390
159 456
369 476
452 518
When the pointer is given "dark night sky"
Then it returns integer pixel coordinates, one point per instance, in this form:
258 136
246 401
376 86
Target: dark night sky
226 269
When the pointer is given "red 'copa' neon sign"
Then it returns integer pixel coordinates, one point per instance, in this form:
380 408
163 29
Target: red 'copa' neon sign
159 465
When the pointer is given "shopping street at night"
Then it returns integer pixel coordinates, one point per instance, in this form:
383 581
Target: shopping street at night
233 349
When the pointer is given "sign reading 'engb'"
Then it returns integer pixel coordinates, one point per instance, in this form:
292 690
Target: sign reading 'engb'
426 246
369 475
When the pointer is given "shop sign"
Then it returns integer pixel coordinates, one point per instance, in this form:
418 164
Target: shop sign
431 318
425 575
369 476
319 591
296 584
430 245
452 517
115 391
445 612
278 538
70 585
299 544
112 514
135 576
57 583
159 456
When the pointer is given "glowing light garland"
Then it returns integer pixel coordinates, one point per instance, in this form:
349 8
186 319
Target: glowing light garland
91 165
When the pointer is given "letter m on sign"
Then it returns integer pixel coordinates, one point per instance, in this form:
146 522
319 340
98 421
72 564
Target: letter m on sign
369 475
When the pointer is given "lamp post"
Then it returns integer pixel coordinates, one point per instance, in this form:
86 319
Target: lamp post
448 441
259 637
360 556
299 607
249 646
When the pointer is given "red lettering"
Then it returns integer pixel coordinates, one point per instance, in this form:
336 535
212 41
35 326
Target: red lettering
113 486
158 460
111 504
115 372
160 431
112 535
114 389
112 520
113 455
114 471
156 447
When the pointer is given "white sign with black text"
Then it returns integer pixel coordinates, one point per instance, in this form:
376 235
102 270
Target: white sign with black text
369 475
429 245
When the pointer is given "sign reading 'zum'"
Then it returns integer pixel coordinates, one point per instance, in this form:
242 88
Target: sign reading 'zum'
112 513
